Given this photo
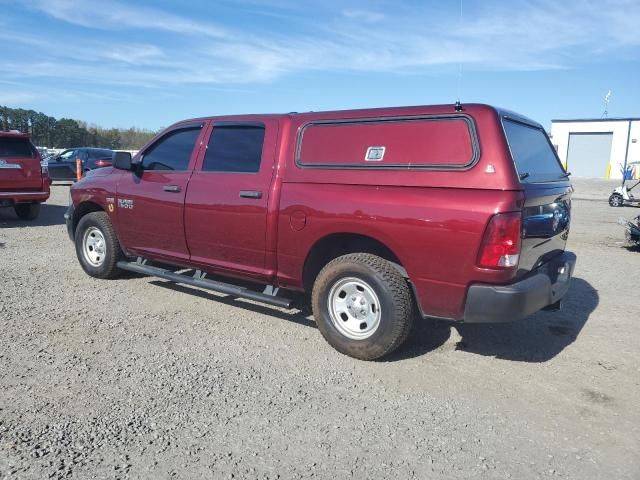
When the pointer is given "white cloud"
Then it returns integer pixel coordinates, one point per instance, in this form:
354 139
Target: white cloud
109 15
132 54
405 38
367 16
16 97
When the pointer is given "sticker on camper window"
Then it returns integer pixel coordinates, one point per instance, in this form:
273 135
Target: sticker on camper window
374 154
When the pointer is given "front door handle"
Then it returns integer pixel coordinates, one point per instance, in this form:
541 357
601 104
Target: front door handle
172 188
250 194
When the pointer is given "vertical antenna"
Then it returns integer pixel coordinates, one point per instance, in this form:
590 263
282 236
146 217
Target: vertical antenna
607 99
459 59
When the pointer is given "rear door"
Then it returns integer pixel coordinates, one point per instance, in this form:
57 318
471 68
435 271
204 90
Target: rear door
150 201
226 204
19 164
546 215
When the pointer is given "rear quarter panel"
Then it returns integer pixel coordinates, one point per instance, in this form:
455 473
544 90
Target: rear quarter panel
432 220
434 232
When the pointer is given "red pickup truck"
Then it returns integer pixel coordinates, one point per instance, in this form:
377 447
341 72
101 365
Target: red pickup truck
24 181
456 212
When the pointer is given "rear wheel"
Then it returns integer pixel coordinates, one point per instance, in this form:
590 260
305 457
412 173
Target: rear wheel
97 246
363 306
616 200
27 211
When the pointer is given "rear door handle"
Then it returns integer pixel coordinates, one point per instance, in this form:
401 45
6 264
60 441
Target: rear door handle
250 194
172 188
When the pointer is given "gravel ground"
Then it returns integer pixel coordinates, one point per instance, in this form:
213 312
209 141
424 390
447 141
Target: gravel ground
135 378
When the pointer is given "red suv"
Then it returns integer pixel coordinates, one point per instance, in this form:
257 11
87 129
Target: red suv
24 181
456 212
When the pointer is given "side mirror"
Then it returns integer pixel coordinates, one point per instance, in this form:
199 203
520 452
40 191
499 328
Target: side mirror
121 160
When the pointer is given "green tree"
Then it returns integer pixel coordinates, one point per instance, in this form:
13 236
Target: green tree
65 133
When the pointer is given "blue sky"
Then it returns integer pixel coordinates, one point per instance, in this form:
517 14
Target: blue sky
148 64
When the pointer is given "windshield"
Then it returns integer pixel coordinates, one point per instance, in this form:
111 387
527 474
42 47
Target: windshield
535 159
15 147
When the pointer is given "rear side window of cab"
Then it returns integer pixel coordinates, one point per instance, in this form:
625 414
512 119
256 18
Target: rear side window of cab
444 142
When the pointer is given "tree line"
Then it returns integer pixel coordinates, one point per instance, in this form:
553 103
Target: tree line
50 132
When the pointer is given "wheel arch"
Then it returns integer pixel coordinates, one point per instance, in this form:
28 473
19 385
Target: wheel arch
83 209
336 244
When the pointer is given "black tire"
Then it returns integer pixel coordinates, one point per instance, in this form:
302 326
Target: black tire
616 200
27 211
394 295
112 252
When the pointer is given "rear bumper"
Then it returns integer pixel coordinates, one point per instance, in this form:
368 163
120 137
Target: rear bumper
505 303
25 196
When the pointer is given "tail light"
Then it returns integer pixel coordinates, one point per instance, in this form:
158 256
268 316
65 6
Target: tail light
103 163
502 240
44 167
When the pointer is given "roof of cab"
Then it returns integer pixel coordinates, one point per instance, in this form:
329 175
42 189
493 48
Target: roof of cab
354 113
443 109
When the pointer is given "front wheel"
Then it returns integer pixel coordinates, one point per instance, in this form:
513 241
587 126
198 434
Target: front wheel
97 246
363 306
616 200
27 211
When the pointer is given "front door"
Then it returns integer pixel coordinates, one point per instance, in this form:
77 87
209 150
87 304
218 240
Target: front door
150 200
226 204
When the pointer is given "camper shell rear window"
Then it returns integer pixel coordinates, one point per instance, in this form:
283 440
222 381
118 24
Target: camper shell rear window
430 142
534 156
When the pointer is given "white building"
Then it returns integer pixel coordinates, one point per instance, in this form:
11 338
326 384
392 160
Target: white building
598 147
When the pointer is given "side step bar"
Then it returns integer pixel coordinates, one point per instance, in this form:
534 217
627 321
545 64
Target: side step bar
199 280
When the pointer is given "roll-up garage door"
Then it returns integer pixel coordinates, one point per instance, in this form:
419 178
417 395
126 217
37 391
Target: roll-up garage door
589 154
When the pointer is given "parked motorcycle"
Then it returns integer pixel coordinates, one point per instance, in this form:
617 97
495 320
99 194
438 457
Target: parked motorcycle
632 230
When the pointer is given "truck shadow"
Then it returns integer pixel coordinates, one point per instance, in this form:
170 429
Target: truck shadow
537 338
49 215
427 335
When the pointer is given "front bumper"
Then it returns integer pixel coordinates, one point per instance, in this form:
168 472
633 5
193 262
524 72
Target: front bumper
68 218
506 303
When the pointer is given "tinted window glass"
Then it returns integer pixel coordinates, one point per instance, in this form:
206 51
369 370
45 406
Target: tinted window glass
532 153
15 147
172 152
102 153
234 149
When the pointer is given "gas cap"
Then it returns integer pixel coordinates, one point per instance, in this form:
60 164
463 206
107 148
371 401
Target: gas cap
298 220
